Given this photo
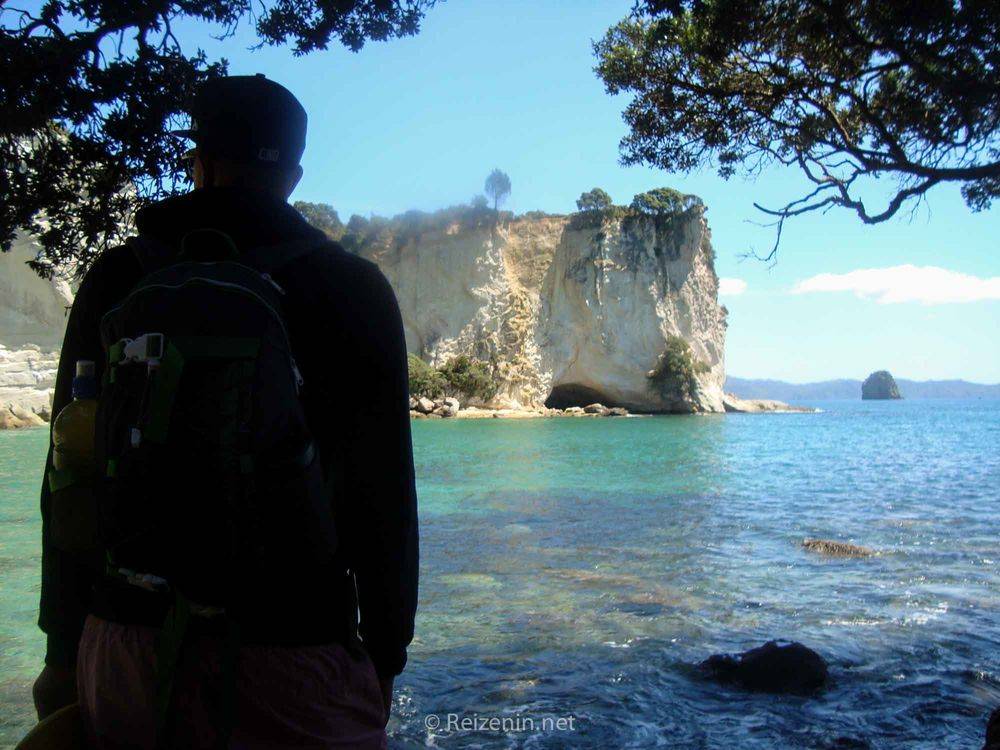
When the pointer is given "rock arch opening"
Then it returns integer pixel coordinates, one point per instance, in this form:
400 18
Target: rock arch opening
574 394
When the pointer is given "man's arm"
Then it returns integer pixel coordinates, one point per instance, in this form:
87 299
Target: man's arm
377 515
66 583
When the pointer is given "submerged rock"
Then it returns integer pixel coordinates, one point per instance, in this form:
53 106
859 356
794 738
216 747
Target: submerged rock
879 386
834 548
775 667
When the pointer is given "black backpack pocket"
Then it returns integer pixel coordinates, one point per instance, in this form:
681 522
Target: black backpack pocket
290 524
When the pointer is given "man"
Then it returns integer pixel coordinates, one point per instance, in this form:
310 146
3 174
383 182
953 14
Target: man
301 677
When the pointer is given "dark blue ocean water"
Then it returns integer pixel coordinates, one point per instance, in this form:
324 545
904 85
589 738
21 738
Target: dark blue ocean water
578 569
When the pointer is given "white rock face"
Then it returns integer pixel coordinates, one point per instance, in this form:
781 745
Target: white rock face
567 313
32 321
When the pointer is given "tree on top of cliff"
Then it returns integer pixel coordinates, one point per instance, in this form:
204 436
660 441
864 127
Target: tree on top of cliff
593 200
90 89
664 201
844 91
497 187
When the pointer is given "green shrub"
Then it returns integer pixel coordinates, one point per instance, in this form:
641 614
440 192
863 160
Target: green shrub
675 371
664 202
593 219
593 200
424 379
469 378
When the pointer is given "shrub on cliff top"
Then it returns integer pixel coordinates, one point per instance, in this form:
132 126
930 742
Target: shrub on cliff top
676 369
469 378
424 379
664 201
361 233
594 200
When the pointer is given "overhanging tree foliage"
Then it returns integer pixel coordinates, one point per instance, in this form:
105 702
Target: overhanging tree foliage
89 89
845 90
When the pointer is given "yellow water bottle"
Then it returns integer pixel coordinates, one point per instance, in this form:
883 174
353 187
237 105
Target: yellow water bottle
73 430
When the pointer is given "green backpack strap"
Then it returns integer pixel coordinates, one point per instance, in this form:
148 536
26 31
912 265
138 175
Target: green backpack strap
169 646
170 642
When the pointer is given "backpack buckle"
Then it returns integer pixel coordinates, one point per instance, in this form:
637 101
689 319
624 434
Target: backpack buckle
147 348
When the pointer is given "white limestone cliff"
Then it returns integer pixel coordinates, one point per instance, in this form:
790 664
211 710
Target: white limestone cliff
568 310
32 320
568 313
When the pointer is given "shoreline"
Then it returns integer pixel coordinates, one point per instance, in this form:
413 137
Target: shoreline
450 408
15 417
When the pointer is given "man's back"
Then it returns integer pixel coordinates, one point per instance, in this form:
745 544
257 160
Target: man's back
346 335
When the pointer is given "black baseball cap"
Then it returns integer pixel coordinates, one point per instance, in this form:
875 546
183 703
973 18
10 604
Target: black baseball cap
249 119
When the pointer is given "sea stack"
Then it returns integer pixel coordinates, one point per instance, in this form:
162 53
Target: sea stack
879 386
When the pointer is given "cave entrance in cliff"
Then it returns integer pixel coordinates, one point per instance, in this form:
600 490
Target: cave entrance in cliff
574 394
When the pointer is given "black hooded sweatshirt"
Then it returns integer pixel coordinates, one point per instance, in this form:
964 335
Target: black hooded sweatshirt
347 337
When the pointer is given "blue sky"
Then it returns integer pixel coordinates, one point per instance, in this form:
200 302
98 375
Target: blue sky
419 122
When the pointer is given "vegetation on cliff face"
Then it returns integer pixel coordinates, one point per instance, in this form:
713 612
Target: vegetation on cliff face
675 375
470 378
424 380
463 377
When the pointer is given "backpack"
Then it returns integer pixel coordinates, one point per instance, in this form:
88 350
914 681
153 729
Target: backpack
212 488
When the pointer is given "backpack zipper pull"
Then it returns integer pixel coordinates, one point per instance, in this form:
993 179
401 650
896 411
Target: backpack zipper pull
272 282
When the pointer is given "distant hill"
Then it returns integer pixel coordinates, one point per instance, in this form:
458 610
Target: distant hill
796 393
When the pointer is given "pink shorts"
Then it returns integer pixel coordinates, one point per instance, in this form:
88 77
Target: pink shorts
301 697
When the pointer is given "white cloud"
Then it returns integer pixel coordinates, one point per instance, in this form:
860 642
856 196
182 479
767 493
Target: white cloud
732 287
928 285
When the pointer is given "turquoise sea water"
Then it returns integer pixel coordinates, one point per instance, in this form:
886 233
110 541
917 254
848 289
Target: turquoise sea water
579 569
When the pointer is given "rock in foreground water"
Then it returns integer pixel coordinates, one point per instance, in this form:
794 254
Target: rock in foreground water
836 549
775 667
